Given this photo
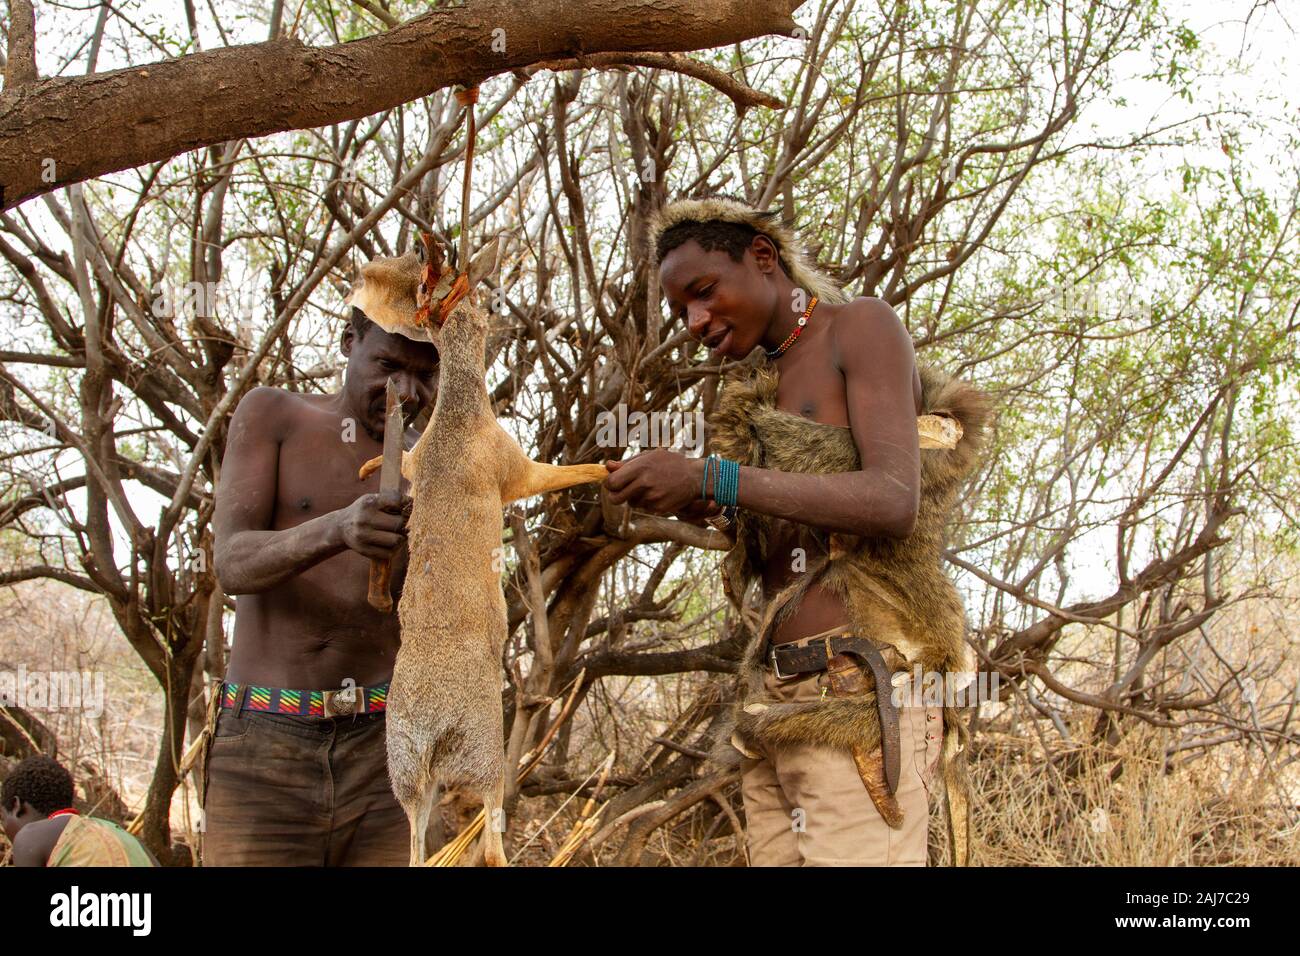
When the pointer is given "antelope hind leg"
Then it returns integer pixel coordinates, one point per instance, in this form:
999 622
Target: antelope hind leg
417 815
494 853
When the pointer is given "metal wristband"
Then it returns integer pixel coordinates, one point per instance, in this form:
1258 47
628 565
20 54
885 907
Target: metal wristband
723 521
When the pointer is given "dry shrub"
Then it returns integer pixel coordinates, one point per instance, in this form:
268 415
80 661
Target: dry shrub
1126 806
45 626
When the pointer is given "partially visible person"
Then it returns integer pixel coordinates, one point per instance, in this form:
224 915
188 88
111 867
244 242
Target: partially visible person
46 830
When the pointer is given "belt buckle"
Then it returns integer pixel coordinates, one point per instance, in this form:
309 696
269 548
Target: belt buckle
342 702
776 666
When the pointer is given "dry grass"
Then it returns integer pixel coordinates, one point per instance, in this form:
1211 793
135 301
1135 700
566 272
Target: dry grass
1127 807
1077 806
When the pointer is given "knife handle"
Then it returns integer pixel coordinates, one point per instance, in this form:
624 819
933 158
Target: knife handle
379 596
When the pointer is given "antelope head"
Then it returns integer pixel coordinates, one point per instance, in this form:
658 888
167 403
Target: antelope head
441 288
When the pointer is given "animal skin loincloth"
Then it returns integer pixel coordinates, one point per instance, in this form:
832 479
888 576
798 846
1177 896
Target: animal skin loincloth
896 590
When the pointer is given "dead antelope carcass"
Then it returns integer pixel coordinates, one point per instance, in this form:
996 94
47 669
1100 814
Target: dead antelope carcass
444 703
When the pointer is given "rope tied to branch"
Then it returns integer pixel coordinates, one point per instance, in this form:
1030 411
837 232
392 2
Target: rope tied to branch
466 98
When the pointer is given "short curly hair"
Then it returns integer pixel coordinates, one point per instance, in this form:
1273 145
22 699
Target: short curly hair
733 238
719 221
40 781
361 323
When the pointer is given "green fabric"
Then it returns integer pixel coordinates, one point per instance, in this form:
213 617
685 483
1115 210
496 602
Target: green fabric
90 841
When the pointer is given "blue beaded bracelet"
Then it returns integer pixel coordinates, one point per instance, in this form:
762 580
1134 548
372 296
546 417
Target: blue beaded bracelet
726 480
731 483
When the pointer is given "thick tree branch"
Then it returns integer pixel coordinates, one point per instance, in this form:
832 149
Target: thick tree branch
54 574
722 657
741 95
98 124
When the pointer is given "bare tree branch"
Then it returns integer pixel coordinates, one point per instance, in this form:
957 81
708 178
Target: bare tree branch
93 125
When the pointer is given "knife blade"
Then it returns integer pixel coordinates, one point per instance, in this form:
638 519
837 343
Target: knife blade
390 479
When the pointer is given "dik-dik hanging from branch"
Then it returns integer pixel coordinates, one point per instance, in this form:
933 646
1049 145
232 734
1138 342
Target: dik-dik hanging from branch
444 703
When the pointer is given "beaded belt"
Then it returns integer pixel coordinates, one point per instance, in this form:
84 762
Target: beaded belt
342 702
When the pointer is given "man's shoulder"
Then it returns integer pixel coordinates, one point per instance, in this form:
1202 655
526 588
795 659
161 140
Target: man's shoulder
866 311
36 839
266 398
267 405
869 326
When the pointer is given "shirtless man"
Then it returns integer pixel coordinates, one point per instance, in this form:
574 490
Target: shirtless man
852 365
296 773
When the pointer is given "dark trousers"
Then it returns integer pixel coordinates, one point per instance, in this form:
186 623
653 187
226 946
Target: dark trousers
301 791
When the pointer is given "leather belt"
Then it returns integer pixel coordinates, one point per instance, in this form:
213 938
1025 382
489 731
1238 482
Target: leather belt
787 660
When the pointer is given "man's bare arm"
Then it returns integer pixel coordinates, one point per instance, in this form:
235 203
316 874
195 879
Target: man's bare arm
876 356
875 353
248 556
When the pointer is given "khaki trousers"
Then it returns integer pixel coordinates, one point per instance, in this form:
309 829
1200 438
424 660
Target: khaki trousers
805 805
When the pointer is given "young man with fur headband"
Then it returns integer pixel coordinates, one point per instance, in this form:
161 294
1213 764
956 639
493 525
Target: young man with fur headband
836 461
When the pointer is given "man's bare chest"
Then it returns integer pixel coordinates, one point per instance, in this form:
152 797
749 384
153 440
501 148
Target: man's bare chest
812 387
317 473
815 389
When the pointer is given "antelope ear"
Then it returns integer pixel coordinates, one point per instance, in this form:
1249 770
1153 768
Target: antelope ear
484 261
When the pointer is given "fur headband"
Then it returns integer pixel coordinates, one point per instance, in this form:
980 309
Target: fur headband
799 266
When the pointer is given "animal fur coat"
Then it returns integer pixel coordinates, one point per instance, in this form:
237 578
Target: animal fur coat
896 590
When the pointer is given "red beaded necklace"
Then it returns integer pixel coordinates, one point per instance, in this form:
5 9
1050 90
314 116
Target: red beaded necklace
789 339
67 811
